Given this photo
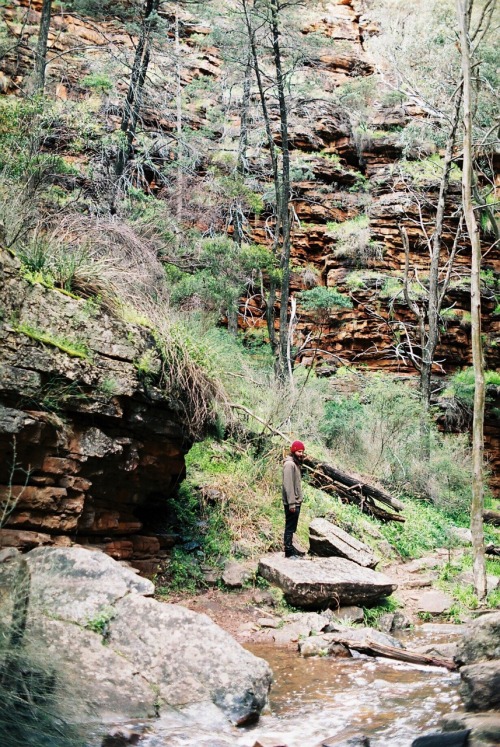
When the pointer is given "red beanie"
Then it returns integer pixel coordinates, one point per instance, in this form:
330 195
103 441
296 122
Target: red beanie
297 446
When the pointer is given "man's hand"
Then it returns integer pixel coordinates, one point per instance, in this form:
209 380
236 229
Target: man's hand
292 509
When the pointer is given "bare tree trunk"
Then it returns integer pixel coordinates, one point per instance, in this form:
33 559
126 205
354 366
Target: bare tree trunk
178 98
464 8
137 79
271 299
283 359
41 47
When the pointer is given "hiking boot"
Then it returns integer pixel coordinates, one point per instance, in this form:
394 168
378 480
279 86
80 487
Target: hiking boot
297 553
291 556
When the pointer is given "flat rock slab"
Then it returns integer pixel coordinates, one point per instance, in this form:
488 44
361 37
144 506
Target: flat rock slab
323 582
328 540
435 602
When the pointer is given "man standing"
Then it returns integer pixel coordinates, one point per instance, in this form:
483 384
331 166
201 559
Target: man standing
292 495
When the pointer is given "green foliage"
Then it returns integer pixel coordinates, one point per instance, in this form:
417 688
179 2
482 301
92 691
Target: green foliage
123 10
428 169
425 528
373 614
322 299
98 82
73 348
462 384
100 623
342 420
379 432
352 240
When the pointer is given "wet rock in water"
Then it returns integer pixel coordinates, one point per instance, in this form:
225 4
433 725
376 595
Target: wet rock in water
121 737
385 622
484 727
454 739
479 657
300 625
156 656
323 646
346 739
328 540
480 688
438 650
328 643
321 582
434 602
481 640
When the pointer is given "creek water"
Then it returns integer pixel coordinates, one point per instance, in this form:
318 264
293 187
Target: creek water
315 698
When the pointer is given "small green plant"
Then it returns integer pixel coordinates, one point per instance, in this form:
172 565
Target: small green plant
108 387
148 364
100 623
98 82
373 614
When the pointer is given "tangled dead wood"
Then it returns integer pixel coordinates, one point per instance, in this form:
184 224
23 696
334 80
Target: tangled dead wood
350 488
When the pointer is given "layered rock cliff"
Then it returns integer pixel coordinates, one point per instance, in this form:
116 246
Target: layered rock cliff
109 468
92 446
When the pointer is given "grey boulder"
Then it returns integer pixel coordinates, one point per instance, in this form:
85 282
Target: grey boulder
117 654
328 540
318 583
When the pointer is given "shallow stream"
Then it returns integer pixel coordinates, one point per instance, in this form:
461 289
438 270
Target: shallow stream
316 698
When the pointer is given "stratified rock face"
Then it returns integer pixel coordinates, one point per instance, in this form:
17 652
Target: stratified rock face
156 656
327 540
89 449
324 582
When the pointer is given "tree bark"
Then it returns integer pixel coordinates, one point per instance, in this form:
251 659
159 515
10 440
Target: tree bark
41 47
464 9
133 100
284 366
372 648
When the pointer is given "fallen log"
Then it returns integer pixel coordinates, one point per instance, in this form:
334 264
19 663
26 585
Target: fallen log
353 489
492 550
373 648
492 517
350 488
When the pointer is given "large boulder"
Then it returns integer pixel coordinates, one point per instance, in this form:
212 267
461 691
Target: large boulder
479 658
323 582
481 640
328 540
121 654
480 688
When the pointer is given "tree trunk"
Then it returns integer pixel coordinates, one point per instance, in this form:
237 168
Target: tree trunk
284 366
178 101
464 8
41 47
134 94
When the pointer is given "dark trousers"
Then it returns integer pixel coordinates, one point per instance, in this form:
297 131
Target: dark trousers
291 521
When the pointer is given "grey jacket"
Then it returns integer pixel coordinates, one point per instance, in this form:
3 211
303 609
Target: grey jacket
292 487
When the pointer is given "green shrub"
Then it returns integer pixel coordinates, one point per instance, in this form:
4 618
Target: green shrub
98 82
323 300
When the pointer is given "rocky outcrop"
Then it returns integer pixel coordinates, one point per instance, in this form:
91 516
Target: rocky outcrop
156 656
325 582
91 445
478 656
327 540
